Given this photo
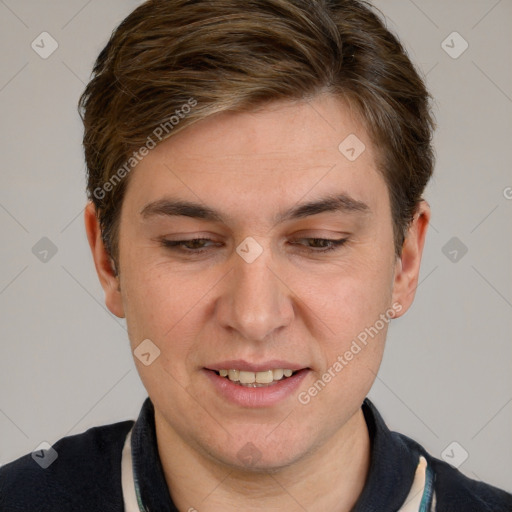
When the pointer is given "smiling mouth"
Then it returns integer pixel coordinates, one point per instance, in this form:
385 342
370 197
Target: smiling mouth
256 379
247 388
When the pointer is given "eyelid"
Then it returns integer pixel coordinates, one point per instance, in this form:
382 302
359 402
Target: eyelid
179 246
176 243
335 244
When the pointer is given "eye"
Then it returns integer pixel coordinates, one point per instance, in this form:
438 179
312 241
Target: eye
200 245
320 245
194 245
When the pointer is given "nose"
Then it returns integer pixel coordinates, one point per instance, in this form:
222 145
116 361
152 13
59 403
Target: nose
255 302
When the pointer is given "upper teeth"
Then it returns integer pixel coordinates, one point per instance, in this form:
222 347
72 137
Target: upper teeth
265 377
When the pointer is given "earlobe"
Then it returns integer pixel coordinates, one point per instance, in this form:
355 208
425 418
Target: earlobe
103 262
407 267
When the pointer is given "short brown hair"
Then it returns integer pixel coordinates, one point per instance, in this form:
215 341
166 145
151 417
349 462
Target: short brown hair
237 55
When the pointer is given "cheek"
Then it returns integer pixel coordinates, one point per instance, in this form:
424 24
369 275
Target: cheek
348 297
164 306
165 309
352 311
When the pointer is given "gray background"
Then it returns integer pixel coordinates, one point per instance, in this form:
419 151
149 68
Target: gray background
65 362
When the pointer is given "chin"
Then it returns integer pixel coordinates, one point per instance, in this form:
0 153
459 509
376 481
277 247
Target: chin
253 455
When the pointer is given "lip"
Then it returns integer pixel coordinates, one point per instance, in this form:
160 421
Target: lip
241 364
255 397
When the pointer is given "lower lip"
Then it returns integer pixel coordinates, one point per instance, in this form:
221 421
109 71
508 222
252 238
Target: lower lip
256 397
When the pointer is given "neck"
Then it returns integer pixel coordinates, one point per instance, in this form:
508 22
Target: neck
329 479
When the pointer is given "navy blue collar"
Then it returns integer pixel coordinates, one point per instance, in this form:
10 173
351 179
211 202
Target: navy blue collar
148 472
393 463
394 459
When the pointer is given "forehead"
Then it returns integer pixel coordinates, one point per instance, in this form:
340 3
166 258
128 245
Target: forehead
276 154
277 132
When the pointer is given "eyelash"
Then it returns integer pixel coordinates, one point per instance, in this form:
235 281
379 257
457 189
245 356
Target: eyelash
180 245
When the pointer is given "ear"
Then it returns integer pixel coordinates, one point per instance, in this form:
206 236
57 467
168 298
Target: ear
103 263
407 267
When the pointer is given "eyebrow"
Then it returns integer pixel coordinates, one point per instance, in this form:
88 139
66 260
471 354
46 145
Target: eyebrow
339 203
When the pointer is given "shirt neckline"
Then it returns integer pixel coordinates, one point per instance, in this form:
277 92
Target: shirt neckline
392 465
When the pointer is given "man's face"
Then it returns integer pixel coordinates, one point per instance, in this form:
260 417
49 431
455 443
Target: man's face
261 291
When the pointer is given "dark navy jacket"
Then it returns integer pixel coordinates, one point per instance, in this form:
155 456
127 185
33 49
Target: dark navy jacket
86 476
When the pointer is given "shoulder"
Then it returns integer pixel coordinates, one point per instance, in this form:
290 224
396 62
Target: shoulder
455 489
86 475
455 492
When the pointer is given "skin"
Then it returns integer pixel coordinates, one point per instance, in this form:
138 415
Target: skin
291 303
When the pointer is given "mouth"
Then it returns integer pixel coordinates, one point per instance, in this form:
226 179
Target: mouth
249 385
259 379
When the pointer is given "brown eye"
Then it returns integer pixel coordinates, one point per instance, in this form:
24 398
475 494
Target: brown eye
192 245
320 244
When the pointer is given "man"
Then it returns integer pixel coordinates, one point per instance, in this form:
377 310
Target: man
256 172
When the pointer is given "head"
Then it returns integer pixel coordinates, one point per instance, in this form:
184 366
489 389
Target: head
263 128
